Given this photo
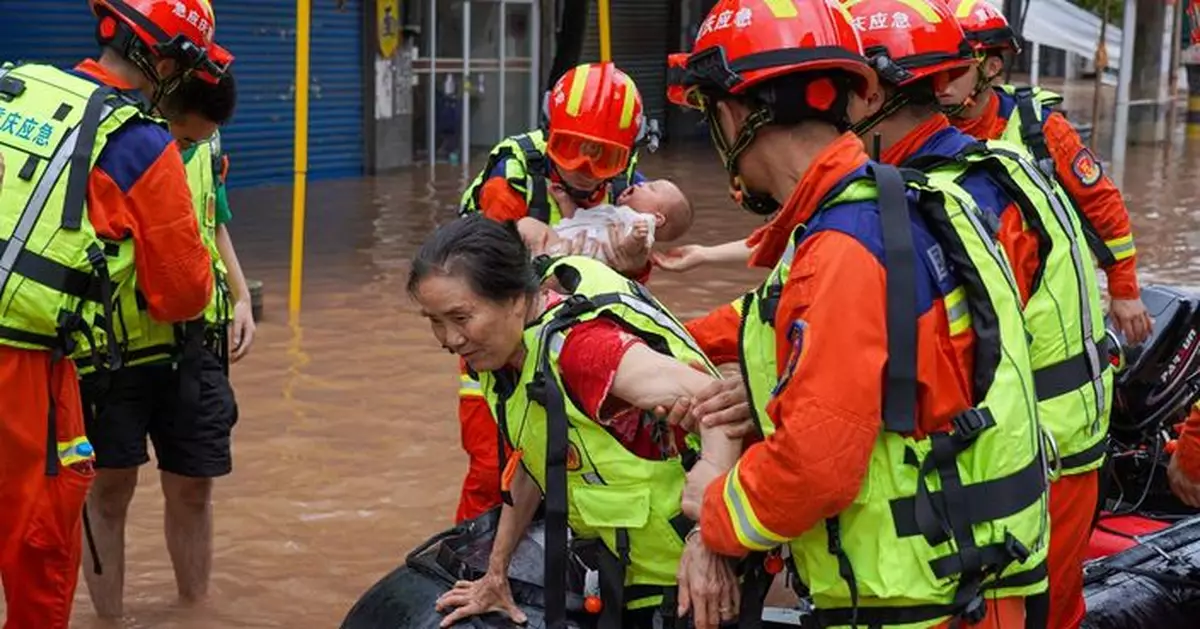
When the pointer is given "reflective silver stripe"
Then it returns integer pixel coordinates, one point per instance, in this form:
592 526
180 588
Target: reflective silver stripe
739 511
468 383
1060 214
789 254
37 201
661 318
592 478
555 342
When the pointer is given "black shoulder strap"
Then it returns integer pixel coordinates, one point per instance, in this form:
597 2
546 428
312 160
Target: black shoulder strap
537 170
81 159
1031 125
900 263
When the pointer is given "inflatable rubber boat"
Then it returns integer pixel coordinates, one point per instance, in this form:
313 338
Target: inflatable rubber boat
1145 567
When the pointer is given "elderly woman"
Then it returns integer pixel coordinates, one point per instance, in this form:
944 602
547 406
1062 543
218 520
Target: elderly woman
573 369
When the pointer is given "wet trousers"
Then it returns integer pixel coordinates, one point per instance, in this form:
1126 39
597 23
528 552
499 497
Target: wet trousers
42 503
1072 508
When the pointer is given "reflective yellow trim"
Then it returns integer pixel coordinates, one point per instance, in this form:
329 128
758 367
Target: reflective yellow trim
469 387
781 8
627 106
68 451
1122 247
965 8
578 86
737 306
749 530
957 312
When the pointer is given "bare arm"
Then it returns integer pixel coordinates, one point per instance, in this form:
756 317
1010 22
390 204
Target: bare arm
514 520
735 251
650 380
237 280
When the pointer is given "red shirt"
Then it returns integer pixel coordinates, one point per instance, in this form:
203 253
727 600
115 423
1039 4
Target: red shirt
588 364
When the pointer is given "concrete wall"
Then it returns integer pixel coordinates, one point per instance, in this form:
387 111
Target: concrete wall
390 102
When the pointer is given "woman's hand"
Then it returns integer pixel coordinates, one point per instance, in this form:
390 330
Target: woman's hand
475 598
708 587
680 259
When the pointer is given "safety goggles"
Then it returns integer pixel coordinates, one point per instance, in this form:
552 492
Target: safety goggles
588 156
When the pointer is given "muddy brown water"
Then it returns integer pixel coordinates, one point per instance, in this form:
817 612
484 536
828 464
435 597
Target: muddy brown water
346 453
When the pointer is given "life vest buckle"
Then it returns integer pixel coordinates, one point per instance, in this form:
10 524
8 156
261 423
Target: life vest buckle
536 389
1015 548
576 305
975 610
971 423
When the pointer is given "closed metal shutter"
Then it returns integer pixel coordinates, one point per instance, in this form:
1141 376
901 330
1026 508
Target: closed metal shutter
58 32
641 36
262 36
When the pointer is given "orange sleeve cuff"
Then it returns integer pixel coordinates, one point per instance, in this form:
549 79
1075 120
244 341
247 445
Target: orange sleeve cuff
716 528
717 334
1187 450
500 202
1123 279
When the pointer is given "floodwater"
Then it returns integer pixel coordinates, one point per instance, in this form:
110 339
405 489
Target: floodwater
346 453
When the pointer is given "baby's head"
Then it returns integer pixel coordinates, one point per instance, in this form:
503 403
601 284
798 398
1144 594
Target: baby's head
671 209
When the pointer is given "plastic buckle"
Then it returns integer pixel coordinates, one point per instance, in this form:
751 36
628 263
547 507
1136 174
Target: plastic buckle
975 610
536 389
1015 548
576 305
969 424
96 258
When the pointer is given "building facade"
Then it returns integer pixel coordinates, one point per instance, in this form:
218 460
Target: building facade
465 73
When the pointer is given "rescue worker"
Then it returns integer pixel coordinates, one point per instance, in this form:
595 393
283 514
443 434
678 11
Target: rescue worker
987 109
889 338
595 122
1184 469
916 53
574 344
126 186
174 384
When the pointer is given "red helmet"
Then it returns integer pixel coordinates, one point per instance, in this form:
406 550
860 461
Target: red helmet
985 26
676 75
908 40
595 119
170 29
744 43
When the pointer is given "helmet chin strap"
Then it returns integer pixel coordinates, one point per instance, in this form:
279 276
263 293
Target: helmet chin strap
754 202
982 83
589 197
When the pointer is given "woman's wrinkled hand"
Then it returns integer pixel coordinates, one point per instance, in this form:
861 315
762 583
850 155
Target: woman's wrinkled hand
475 598
708 587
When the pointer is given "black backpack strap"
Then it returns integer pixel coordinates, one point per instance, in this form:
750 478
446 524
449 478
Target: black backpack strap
537 170
900 262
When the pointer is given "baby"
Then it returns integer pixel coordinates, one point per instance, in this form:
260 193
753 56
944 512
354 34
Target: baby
649 211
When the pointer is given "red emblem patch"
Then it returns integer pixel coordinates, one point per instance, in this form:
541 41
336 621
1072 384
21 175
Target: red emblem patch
1087 170
574 461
